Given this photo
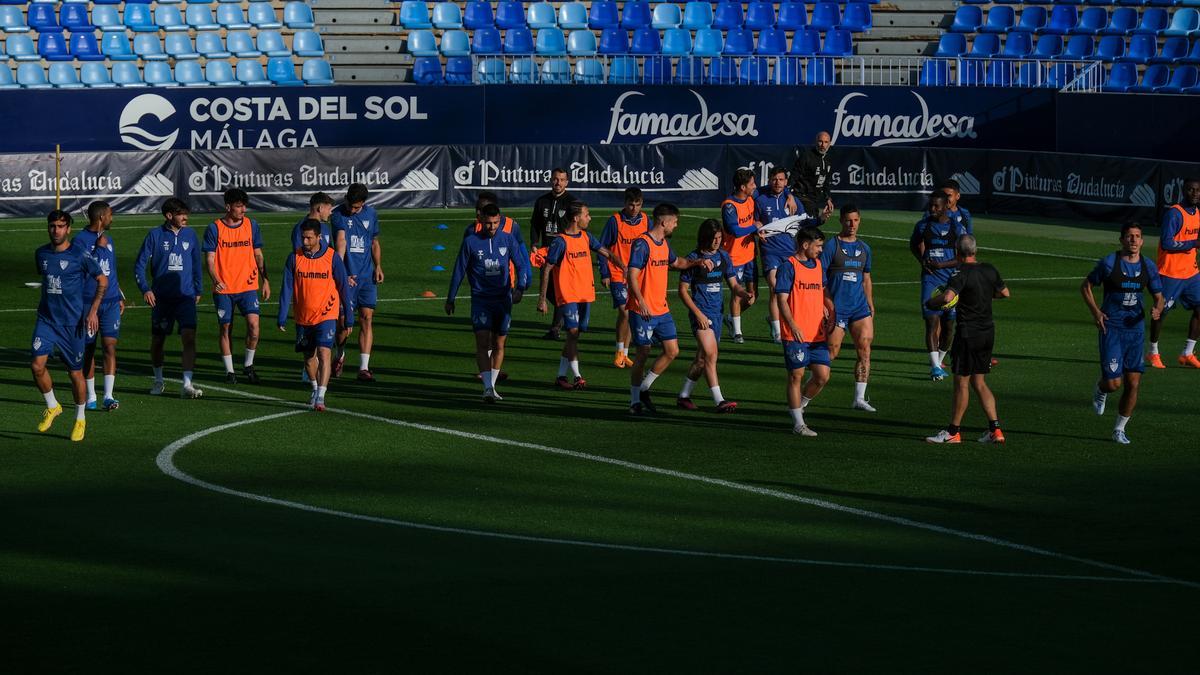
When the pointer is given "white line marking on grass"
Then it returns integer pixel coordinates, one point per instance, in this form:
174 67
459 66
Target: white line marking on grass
719 482
913 283
166 464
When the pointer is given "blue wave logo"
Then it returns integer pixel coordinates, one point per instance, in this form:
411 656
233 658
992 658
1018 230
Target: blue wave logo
137 109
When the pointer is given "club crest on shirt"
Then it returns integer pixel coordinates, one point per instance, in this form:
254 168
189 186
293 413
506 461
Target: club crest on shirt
63 264
1113 365
503 250
186 245
37 343
221 313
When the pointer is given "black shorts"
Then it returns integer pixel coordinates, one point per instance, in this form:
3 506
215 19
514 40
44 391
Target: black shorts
972 354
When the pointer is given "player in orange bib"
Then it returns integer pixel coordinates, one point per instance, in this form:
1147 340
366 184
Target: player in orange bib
622 228
807 314
569 265
1177 267
650 257
738 216
315 277
233 251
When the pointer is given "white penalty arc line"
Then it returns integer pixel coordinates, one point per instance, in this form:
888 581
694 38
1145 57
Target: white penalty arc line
165 462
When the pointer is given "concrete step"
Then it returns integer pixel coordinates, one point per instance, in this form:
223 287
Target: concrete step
368 59
947 6
893 48
364 44
900 33
331 18
916 19
371 74
355 4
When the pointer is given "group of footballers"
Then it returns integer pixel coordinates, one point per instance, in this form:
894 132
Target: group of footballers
329 278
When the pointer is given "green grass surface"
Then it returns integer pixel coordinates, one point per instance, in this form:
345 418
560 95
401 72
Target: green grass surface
860 550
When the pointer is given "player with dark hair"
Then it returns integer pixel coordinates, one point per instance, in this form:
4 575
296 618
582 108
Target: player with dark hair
320 206
569 264
507 225
1121 320
622 228
173 252
62 317
1180 277
933 245
847 263
959 215
650 257
356 237
702 292
549 211
483 262
975 286
741 224
316 278
773 203
233 248
806 311
96 240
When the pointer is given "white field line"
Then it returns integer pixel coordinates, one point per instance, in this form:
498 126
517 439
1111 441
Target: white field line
165 463
914 283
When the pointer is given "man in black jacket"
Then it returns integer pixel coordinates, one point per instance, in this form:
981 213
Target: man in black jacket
810 177
549 214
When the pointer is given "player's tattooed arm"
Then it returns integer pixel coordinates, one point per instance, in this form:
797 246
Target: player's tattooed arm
262 273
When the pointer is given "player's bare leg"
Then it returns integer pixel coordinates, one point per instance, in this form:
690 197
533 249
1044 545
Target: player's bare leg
816 382
225 345
366 340
863 334
795 385
637 404
1187 357
483 362
962 397
704 364
773 307
570 360
624 337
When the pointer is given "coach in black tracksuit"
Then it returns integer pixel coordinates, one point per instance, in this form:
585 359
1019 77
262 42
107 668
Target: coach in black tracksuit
810 177
549 216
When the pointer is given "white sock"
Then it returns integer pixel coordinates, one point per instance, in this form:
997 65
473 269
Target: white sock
686 392
860 391
621 347
935 361
158 374
228 359
187 377
716 394
110 381
364 360
79 411
737 325
804 401
1153 347
487 379
91 389
774 330
314 384
249 358
495 377
797 416
51 401
941 358
1121 422
575 368
1188 347
633 394
563 365
648 380
321 393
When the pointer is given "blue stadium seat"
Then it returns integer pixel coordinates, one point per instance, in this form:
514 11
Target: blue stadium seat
666 16
460 70
422 43
1029 75
1059 75
1093 21
722 70
148 47
1032 19
270 42
541 15
107 18
623 69
102 2
614 41
1017 46
486 41
12 20
241 44
1048 47
967 19
492 71
114 46
63 76
1122 76
179 46
760 15
1154 20
282 72
413 14
708 42
951 45
158 74
262 15
169 18
999 20
42 18
571 16
691 70
645 41
140 19
220 74
126 74
509 14
1062 19
1122 22
755 70
231 17
739 42
857 17
1184 22
210 46
250 73
825 16
806 42
1183 77
697 15
728 15
94 75
1193 56
523 71
1174 50
589 71
199 17
298 15
1156 76
550 41
771 42
657 70
603 14
971 71
74 16
1142 48
31 76
838 42
677 42
454 43
935 74
1112 47
190 74
789 71
820 72
427 70
556 71
1079 48
635 14
6 78
985 46
84 46
478 14
53 47
792 16
999 73
520 41
581 43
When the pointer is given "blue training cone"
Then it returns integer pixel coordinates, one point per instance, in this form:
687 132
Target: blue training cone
439 247
443 226
438 268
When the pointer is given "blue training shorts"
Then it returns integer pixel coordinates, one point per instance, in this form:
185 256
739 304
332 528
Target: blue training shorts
364 296
619 293
66 340
1121 352
575 315
715 318
309 338
1182 292
798 355
246 302
929 282
772 262
166 312
646 331
845 316
110 321
747 274
491 314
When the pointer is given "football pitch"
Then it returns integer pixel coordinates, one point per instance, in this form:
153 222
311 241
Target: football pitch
414 528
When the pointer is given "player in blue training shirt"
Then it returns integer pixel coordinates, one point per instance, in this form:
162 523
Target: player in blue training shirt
483 262
847 263
702 291
959 215
1121 320
320 206
933 245
356 236
771 205
96 241
63 317
172 251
